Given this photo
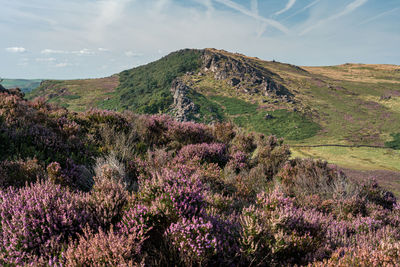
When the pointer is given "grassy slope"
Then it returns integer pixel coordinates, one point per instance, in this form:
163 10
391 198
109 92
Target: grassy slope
25 85
77 95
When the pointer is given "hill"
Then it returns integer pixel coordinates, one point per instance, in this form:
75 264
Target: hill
121 189
26 86
346 114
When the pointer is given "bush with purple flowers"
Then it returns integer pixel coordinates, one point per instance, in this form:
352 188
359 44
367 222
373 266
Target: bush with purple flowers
169 193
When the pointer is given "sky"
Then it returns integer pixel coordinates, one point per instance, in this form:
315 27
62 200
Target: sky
66 39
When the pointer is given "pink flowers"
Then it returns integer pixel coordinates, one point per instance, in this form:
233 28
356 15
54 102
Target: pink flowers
183 194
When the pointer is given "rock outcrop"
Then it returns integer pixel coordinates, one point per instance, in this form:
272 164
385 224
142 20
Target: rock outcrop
244 75
183 108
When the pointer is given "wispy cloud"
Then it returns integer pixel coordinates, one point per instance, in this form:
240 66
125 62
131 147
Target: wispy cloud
16 49
347 10
249 13
288 6
62 65
303 9
379 16
84 51
48 51
133 54
46 59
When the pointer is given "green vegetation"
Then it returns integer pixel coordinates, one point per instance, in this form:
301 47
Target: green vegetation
146 89
281 123
25 85
395 144
235 106
208 110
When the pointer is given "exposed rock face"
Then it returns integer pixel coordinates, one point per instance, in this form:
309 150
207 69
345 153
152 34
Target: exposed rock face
243 75
184 109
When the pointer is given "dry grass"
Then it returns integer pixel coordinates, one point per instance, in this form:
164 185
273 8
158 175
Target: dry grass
371 73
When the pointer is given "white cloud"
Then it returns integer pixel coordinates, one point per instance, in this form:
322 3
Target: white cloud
51 51
101 49
46 59
288 6
347 10
132 54
84 51
16 49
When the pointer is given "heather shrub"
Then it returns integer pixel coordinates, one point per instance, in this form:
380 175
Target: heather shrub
18 173
73 175
238 161
107 117
385 254
308 177
108 197
223 132
122 144
193 239
37 221
174 193
161 130
210 153
271 154
276 230
106 249
243 142
376 194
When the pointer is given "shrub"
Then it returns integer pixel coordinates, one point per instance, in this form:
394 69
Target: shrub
106 249
211 153
37 221
272 154
108 197
18 173
376 194
308 177
193 239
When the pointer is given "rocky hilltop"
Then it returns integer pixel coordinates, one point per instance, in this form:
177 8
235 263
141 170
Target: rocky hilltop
243 74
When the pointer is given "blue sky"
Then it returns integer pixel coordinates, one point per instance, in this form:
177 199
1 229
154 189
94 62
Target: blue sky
90 38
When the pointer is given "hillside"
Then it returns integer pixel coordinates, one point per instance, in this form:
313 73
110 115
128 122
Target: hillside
352 108
104 188
26 86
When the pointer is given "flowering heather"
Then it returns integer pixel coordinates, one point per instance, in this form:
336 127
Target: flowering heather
211 153
167 193
105 249
193 239
178 193
37 221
